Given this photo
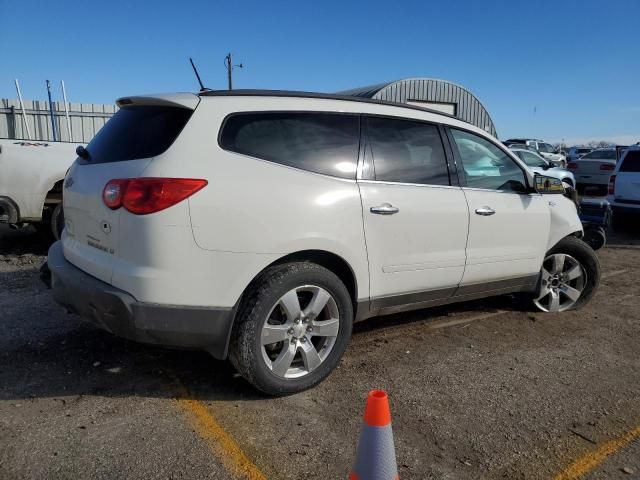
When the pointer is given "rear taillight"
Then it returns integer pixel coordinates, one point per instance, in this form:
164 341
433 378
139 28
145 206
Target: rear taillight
612 184
142 196
572 166
607 167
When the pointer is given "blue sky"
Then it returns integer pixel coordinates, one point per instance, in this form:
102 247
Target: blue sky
576 62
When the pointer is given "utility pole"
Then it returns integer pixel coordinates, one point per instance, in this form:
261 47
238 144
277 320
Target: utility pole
228 63
53 118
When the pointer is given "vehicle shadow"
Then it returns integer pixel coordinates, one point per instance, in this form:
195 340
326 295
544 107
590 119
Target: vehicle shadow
82 360
24 241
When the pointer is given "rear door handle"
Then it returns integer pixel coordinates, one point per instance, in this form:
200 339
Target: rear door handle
485 211
384 209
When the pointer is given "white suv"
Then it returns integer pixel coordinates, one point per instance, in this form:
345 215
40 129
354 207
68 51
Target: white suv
260 225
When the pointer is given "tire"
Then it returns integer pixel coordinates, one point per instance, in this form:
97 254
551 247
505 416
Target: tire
595 237
57 221
264 303
575 253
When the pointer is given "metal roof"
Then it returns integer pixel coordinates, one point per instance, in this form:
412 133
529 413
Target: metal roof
467 106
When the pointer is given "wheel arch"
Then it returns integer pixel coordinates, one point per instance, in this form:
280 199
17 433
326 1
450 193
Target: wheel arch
329 260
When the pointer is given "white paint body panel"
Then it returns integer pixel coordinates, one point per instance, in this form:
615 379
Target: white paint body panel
28 170
422 247
510 243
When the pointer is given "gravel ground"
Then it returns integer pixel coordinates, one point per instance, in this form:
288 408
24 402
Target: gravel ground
477 390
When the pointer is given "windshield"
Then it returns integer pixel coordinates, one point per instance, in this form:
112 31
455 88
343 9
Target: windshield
545 147
531 159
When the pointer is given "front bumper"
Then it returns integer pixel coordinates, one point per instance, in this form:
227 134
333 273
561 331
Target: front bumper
204 328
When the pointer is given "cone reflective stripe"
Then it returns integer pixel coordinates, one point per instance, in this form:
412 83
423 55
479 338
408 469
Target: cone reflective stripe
376 455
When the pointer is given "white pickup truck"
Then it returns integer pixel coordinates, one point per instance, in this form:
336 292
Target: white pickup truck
31 176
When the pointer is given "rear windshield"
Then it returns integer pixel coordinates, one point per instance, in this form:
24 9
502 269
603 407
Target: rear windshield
631 162
137 132
601 155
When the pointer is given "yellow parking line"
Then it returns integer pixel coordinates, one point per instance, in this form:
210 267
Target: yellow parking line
218 440
591 460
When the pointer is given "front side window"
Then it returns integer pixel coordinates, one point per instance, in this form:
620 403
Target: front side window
319 142
406 151
487 166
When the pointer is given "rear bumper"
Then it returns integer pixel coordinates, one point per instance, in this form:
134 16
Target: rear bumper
118 312
9 212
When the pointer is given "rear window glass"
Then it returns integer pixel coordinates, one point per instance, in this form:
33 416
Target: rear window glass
324 143
601 155
136 132
631 162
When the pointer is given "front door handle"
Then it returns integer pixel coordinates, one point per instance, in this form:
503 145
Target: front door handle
485 211
384 209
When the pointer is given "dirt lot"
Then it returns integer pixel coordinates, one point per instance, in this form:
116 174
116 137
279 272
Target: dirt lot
479 390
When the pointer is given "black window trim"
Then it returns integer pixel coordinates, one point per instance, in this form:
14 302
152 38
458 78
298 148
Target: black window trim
449 159
333 112
461 174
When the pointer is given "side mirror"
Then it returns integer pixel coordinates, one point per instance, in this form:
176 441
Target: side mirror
548 185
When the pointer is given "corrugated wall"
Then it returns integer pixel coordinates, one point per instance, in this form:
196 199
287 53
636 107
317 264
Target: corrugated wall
468 107
86 119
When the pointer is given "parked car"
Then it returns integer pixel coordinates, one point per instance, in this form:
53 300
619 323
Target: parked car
544 149
251 224
575 153
594 169
31 175
539 165
624 187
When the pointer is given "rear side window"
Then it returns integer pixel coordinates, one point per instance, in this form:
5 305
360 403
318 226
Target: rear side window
631 162
136 132
406 151
319 142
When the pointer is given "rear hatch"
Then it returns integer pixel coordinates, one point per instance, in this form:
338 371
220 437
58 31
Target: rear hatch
142 129
627 185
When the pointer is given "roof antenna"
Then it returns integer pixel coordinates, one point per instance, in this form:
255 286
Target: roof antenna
195 70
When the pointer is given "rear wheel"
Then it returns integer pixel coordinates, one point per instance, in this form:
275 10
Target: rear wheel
569 276
293 328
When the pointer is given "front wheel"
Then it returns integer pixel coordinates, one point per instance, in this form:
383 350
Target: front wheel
569 276
293 328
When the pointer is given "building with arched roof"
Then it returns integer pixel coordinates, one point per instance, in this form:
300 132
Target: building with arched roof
433 94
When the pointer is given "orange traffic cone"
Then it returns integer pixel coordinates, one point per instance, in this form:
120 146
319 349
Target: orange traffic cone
376 455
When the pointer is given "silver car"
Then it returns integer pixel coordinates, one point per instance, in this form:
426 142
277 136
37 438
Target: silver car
538 164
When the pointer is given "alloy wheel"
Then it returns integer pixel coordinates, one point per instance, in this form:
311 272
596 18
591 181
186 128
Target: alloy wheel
561 284
300 331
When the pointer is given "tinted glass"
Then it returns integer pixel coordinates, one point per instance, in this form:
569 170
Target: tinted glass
601 155
631 162
531 159
136 132
545 147
319 142
407 152
487 166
